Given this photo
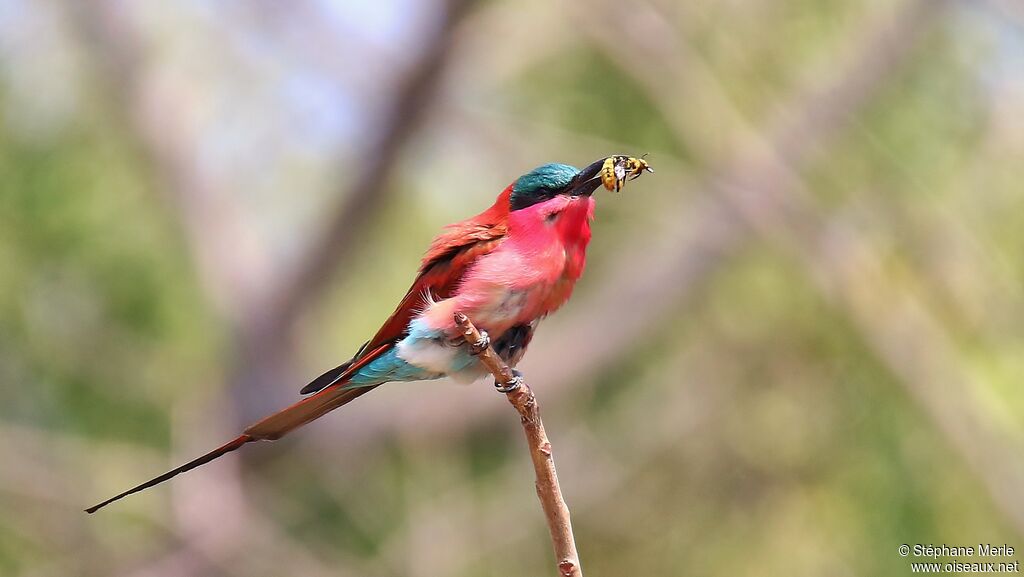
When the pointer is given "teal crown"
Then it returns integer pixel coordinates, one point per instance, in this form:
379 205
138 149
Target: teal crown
541 183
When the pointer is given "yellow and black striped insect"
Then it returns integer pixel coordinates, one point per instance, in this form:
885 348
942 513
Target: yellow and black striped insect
616 170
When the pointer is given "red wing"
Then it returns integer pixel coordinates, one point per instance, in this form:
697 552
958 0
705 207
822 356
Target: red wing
438 279
447 259
444 263
442 269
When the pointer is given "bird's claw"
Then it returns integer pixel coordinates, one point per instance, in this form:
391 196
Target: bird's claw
514 383
480 345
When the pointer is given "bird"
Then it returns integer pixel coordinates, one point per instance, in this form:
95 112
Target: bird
505 269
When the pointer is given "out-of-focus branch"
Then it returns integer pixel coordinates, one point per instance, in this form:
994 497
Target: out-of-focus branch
550 494
818 114
231 263
370 190
912 342
1010 9
233 268
261 300
265 347
770 199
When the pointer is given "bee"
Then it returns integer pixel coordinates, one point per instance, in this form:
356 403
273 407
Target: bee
616 170
613 171
638 166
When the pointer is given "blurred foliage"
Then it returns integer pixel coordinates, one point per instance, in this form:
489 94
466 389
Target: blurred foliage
85 300
757 431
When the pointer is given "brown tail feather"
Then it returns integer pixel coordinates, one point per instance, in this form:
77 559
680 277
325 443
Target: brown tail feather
273 427
313 407
218 452
309 409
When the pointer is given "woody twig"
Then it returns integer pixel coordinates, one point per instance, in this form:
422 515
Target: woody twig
548 491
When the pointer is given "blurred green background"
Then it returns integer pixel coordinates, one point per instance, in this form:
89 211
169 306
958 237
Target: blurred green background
797 346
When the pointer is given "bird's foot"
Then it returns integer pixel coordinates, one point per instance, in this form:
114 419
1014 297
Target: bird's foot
512 385
480 345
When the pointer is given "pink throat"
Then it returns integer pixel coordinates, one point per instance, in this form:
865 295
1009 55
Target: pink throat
552 238
563 221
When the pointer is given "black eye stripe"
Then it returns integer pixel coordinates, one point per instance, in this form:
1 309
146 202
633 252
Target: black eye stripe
525 199
542 183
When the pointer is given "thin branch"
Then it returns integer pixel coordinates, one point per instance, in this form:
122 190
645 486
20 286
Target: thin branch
675 413
548 491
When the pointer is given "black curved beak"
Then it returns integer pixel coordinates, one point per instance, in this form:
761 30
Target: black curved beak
587 181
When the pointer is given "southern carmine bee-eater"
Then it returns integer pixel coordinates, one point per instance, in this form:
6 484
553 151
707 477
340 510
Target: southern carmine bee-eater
505 268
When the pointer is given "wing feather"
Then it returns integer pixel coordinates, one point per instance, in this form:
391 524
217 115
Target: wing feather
442 268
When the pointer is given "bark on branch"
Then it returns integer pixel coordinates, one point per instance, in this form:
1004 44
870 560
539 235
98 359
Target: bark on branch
548 491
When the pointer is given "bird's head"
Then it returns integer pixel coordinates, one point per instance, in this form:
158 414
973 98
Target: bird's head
549 181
